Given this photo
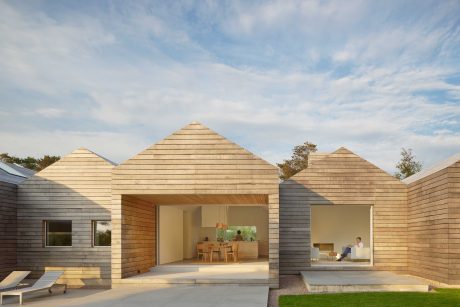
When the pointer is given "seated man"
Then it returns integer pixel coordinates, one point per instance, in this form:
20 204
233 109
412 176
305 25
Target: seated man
348 248
238 236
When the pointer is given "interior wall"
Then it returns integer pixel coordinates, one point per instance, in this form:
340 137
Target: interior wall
192 225
340 224
171 234
252 216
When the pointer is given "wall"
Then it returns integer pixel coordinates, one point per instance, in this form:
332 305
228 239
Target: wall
454 223
429 227
7 228
434 231
171 234
76 188
252 216
192 225
343 178
340 225
138 235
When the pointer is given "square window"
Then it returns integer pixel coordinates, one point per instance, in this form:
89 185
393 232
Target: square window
102 233
58 233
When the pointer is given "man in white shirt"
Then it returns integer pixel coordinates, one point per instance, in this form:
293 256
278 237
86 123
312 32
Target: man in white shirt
359 244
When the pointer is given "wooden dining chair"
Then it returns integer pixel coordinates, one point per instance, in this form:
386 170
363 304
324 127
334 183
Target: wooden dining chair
212 249
232 251
202 251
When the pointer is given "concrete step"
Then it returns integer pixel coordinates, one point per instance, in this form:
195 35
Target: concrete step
194 281
361 281
211 268
339 268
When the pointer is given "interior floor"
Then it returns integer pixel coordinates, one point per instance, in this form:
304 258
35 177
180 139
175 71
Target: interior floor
218 262
324 262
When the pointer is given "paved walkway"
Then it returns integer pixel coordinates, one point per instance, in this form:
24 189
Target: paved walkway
168 296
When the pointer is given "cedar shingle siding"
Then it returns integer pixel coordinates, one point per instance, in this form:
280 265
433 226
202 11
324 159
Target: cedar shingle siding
415 227
343 178
8 193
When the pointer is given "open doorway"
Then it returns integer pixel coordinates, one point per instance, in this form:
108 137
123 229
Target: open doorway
336 227
183 228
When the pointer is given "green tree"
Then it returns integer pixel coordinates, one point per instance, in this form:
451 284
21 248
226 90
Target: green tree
30 162
408 165
298 161
46 161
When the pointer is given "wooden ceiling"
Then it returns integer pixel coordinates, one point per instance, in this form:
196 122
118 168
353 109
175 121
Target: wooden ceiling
206 199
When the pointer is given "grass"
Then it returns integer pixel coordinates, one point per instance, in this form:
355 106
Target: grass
440 297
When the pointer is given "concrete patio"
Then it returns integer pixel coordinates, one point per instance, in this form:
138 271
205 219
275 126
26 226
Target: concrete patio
361 281
167 296
252 273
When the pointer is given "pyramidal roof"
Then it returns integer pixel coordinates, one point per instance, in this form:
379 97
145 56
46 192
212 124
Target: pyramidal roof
321 160
80 153
193 141
83 152
436 168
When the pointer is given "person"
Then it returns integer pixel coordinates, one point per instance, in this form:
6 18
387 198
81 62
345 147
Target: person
238 236
347 250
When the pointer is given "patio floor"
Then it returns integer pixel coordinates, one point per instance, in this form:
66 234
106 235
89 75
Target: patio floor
360 281
165 296
253 273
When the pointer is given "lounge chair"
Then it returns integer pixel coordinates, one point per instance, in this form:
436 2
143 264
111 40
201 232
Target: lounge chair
13 279
44 283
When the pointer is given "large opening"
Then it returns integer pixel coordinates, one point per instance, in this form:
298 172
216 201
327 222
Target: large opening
334 228
162 235
183 230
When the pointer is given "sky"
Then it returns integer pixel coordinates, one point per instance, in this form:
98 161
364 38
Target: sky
118 76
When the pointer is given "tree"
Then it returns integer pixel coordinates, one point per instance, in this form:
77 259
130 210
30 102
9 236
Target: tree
408 165
298 161
46 161
30 162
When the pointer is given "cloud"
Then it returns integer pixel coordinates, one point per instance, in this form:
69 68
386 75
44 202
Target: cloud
50 112
116 147
266 75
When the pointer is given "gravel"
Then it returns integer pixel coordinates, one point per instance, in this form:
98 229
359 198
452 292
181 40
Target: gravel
289 284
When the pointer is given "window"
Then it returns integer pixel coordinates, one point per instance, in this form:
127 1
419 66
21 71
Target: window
249 233
102 233
58 233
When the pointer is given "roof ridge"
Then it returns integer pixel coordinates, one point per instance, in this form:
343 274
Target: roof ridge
435 168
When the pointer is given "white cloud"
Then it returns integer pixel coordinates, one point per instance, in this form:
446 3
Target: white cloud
50 112
151 89
114 146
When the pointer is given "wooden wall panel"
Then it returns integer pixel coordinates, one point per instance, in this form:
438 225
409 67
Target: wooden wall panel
454 223
195 161
7 228
138 235
343 178
428 227
76 188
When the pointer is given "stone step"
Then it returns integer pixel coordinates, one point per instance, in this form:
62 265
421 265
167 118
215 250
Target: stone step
361 281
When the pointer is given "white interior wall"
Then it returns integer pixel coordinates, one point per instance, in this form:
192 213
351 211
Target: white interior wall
252 216
192 225
171 238
340 224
